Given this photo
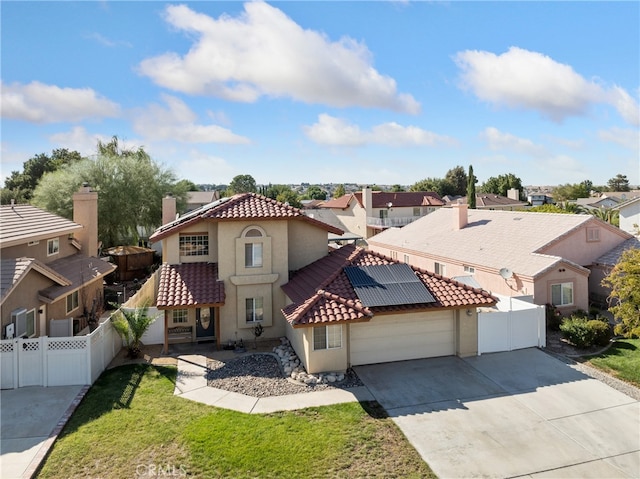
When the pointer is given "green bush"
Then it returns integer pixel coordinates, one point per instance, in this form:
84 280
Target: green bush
553 317
583 333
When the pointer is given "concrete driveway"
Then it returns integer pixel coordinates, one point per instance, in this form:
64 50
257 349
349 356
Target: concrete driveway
516 414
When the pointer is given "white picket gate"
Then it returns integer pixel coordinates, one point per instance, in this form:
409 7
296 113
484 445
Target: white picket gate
65 361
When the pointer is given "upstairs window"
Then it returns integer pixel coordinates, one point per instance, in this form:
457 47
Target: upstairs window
194 244
253 255
439 268
593 235
417 211
469 269
72 301
53 246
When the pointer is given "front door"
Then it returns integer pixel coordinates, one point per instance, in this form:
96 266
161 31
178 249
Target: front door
205 324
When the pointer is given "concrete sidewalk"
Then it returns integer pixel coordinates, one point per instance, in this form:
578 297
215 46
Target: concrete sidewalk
191 383
32 418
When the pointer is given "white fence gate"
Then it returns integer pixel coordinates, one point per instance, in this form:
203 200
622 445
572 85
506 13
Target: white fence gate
44 361
514 325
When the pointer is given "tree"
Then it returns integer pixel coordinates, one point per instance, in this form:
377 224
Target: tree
314 192
284 194
458 179
242 184
130 186
608 215
439 185
624 299
340 191
572 191
548 208
618 183
20 185
187 185
471 188
397 188
131 326
499 185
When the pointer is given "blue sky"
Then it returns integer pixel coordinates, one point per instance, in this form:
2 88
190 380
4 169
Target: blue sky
319 92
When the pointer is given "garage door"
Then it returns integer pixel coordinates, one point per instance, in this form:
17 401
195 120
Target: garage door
389 338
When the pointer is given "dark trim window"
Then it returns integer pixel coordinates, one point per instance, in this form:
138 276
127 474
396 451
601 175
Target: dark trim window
194 244
562 294
53 246
72 301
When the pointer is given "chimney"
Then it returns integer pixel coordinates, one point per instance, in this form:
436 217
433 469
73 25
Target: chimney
367 200
168 209
513 194
85 213
460 215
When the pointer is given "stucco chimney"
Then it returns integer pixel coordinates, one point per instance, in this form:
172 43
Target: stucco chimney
367 200
513 194
85 213
460 215
168 209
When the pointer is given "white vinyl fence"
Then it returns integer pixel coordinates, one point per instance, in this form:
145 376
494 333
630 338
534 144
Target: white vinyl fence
514 324
63 361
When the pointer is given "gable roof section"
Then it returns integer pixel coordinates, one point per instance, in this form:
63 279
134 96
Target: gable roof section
20 224
13 271
189 285
240 207
491 200
611 257
623 205
78 270
492 239
322 292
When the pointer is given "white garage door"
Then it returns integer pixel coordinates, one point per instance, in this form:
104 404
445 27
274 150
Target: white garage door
389 338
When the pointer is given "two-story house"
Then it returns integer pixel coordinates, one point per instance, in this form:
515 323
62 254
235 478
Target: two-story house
544 256
366 213
224 265
50 267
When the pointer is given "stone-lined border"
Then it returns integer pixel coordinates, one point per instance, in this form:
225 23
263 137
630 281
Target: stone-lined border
46 446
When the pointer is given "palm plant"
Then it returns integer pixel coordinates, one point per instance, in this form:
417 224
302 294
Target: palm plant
131 326
607 214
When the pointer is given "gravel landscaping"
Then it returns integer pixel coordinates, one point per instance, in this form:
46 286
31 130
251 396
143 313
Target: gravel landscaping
260 375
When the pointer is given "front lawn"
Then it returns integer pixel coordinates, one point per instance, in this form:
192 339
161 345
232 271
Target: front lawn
131 425
622 360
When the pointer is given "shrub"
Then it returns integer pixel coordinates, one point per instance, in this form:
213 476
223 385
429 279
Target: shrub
583 333
553 317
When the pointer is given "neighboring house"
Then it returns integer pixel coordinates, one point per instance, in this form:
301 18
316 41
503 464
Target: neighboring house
356 307
491 201
368 212
603 266
597 203
539 199
197 199
629 214
544 256
224 265
50 269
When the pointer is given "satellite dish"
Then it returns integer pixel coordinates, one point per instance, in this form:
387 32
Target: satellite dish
506 273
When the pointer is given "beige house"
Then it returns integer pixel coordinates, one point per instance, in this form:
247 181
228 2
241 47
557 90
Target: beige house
543 256
224 265
368 212
50 269
357 307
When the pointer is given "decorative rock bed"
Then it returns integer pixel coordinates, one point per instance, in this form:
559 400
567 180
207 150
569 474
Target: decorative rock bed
265 374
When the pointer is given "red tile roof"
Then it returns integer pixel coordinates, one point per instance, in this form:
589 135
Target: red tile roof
188 285
381 199
322 293
240 207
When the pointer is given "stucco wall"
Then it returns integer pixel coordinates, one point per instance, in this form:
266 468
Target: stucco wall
630 216
25 296
580 280
307 243
39 251
466 332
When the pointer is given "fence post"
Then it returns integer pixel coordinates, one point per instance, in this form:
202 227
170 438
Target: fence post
88 362
44 344
15 363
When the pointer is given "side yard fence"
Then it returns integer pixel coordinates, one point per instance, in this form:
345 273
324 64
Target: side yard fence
61 361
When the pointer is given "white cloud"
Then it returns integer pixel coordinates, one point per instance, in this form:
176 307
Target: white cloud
332 131
263 52
498 140
201 168
40 103
626 137
177 122
523 79
78 139
107 42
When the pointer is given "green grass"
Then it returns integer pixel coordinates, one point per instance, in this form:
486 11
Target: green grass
622 360
130 422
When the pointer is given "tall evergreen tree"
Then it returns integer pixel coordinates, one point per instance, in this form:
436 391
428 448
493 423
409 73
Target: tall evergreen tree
471 188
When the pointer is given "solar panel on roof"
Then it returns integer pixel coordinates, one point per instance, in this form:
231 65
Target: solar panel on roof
387 285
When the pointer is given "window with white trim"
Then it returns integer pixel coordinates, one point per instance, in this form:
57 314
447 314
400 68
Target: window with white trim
53 246
562 294
406 258
254 309
327 337
439 268
196 244
469 269
179 316
593 235
417 211
72 301
253 255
